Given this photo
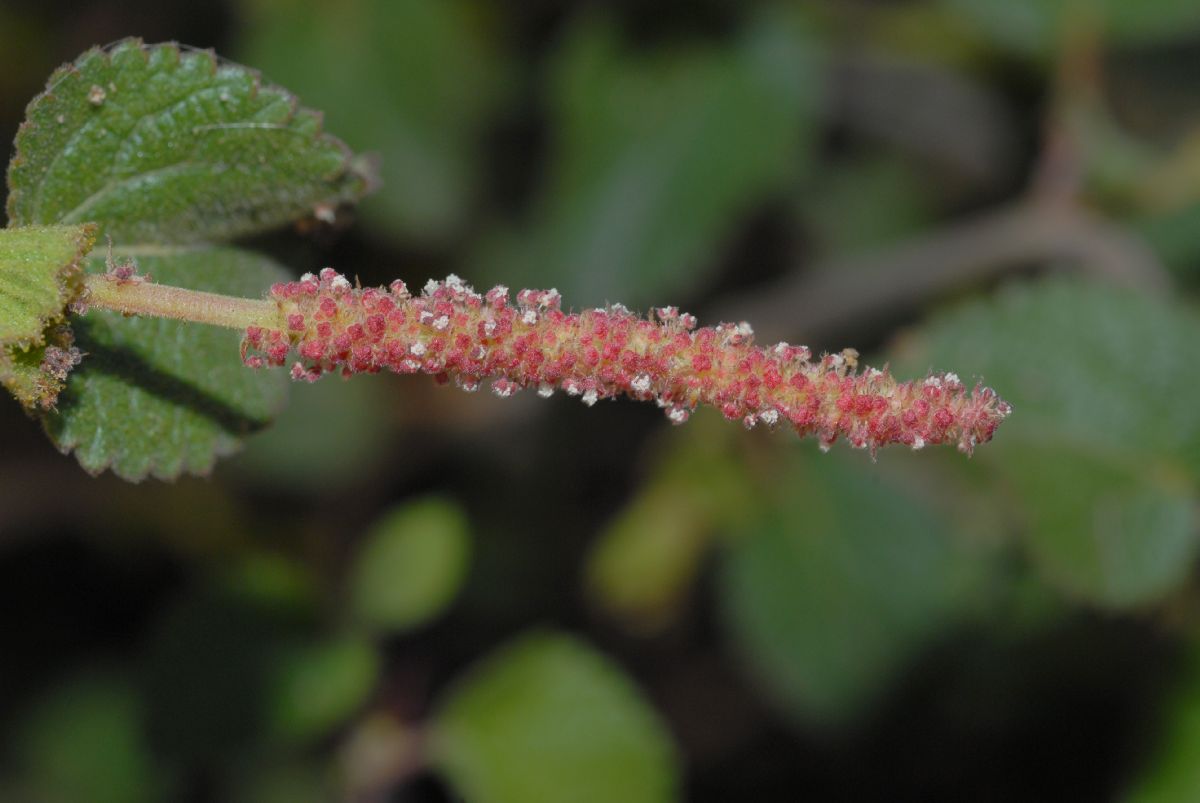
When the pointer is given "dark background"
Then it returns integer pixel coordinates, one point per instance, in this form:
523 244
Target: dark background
894 176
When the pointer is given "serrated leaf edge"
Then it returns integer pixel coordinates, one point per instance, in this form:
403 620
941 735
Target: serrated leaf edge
358 167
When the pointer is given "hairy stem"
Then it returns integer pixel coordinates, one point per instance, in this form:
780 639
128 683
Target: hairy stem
136 296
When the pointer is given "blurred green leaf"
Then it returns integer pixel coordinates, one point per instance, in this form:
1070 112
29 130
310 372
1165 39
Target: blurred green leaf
159 397
1109 531
271 582
860 204
641 567
1036 27
1103 449
295 456
290 783
656 157
161 145
414 79
40 268
548 719
86 741
835 589
317 684
1172 774
410 565
1175 237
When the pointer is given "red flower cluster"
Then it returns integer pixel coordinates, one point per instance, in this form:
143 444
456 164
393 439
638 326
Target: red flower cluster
452 332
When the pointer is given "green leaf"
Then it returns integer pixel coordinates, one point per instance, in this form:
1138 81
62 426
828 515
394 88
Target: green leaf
1106 530
40 268
1175 238
547 719
294 456
834 590
1036 27
644 563
1102 452
1172 774
657 157
87 741
303 781
316 685
160 145
862 204
410 565
160 397
413 78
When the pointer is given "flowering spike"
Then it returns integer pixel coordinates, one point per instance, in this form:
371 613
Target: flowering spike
452 332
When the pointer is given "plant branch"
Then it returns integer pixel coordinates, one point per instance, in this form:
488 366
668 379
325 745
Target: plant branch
832 297
137 296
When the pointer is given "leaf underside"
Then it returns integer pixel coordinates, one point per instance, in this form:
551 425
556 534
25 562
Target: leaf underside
170 152
156 397
40 268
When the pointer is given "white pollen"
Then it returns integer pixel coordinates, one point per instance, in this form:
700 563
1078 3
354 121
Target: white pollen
918 443
417 349
545 390
678 415
454 281
769 417
933 382
781 348
837 360
641 383
529 318
953 379
874 373
590 397
308 277
431 287
824 447
441 323
489 327
340 283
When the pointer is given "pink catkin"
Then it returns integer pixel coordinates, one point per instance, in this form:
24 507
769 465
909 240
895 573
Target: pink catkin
450 331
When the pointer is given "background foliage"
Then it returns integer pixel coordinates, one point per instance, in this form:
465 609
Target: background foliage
401 592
